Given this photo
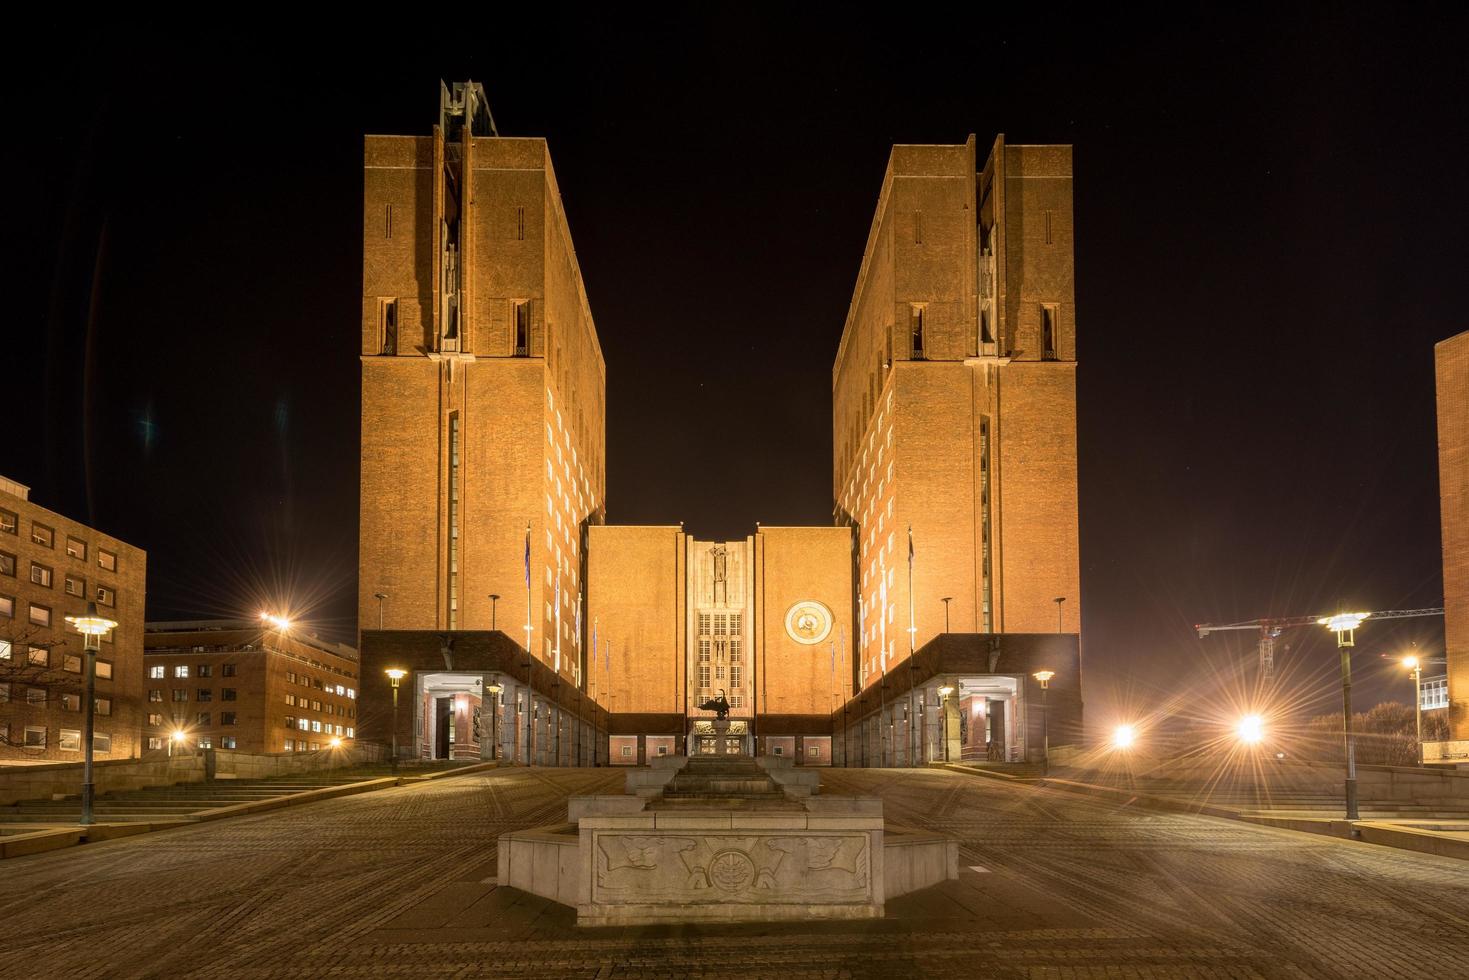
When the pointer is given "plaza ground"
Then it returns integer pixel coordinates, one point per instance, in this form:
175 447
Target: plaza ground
400 883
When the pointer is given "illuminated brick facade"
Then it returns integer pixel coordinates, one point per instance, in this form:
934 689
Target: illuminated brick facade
1451 360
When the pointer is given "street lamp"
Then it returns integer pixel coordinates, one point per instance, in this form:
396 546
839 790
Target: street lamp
493 690
494 601
946 600
379 596
1251 729
177 738
91 626
1344 625
1123 736
395 675
1416 666
1058 600
1044 676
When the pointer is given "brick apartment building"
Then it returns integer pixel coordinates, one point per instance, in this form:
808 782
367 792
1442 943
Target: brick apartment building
1451 366
50 568
251 685
487 565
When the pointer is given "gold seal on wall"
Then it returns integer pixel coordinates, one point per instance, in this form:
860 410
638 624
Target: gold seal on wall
808 621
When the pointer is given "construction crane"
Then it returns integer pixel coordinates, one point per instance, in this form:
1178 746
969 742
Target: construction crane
1270 630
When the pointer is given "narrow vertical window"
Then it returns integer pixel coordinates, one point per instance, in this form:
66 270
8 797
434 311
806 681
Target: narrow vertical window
387 221
388 315
986 588
917 227
520 224
915 326
1048 227
454 520
1048 332
522 329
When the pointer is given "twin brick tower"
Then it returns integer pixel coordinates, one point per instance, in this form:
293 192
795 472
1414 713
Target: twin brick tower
909 630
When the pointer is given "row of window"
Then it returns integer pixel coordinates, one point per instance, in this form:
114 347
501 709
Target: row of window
181 694
316 705
46 538
307 725
44 575
37 737
38 696
205 742
43 657
301 745
305 680
159 671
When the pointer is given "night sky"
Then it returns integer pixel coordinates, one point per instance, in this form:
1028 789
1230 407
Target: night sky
1270 223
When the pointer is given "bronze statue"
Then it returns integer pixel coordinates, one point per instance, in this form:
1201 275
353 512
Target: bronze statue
719 705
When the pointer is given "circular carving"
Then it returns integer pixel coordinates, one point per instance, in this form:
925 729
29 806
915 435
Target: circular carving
808 622
731 870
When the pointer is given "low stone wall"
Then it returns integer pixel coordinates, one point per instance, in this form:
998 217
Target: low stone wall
1456 752
46 782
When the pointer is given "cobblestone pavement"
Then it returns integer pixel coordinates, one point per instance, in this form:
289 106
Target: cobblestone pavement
400 884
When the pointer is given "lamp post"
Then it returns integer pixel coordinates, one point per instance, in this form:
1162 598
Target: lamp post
1416 666
946 693
395 675
946 600
379 596
1344 625
1044 676
494 601
493 689
91 626
1058 600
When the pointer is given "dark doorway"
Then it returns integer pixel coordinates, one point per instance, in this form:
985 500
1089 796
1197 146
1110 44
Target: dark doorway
443 722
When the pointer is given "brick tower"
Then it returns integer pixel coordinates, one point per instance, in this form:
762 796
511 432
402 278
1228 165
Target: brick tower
483 389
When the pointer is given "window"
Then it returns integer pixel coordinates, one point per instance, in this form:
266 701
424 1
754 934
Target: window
1048 332
71 663
155 695
814 752
290 677
315 746
35 737
777 750
352 693
226 694
180 695
7 522
104 669
154 742
71 702
290 722
289 744
40 575
35 695
155 672
522 328
156 720
387 312
102 706
291 700
315 705
76 549
228 742
7 564
181 670
349 733
7 606
387 225
5 650
106 560
226 717
38 657
106 596
316 726
42 535
204 718
101 743
205 670
204 694
627 751
304 725
71 740
915 329
1435 693
76 586
227 670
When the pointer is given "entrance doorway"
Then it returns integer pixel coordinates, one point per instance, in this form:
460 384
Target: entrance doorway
704 741
452 717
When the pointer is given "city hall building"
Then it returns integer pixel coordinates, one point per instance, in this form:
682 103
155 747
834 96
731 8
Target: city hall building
910 630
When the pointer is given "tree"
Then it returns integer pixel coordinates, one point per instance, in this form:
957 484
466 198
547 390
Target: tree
1386 735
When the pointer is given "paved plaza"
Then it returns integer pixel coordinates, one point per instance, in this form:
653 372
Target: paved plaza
400 883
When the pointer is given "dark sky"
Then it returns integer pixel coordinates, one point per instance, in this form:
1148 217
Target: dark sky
1270 226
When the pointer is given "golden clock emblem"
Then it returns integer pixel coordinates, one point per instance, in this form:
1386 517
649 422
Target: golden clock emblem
808 622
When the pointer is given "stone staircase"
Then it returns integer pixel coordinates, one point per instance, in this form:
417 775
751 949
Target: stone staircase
707 779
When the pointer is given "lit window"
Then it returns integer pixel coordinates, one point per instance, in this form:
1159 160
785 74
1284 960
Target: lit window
206 743
155 672
181 670
71 740
71 663
71 702
204 718
180 694
7 522
40 615
7 606
38 657
104 669
316 726
154 742
304 725
102 706
156 720
76 586
42 535
106 560
155 694
7 564
228 742
106 596
76 549
101 743
40 575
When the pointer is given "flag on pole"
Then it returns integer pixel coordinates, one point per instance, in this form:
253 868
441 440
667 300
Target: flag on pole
910 547
527 556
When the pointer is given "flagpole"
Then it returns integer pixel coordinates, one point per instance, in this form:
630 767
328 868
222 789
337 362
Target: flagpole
530 693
